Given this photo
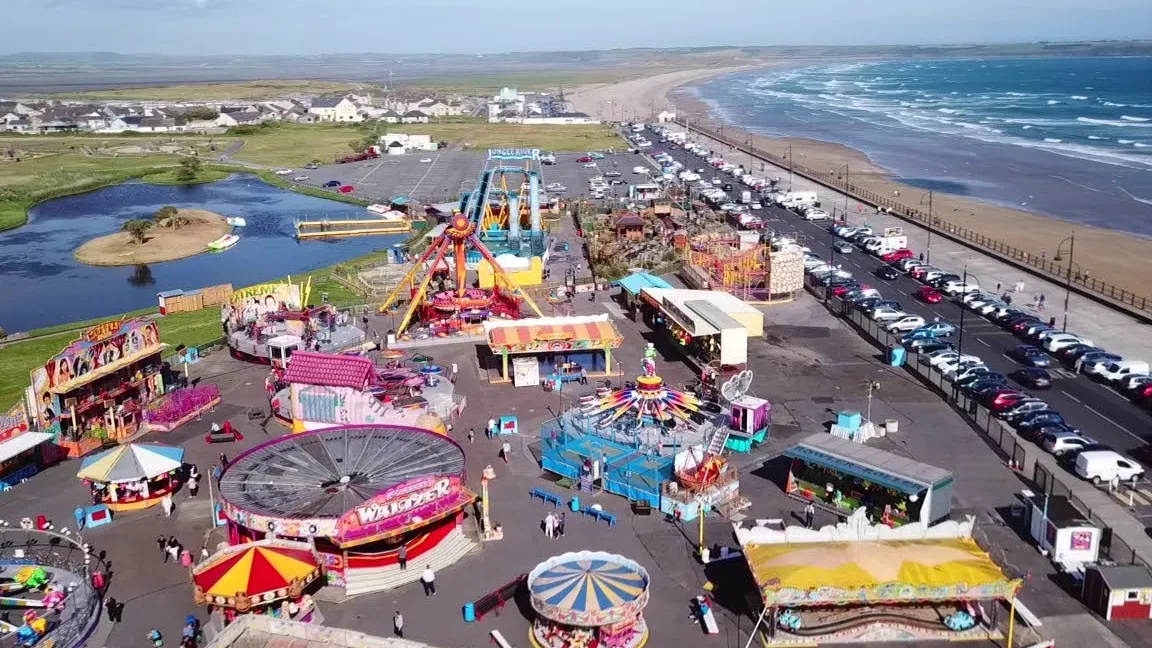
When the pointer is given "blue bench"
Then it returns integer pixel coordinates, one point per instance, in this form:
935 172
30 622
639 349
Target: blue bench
546 497
600 515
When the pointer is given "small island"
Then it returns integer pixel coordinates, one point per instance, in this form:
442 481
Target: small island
170 234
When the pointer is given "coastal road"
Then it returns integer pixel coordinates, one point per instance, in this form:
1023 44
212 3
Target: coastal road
1095 409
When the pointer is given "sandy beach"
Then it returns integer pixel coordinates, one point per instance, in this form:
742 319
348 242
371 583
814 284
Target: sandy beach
1118 258
162 243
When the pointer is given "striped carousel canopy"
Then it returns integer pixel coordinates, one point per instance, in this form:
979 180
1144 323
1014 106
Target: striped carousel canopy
587 585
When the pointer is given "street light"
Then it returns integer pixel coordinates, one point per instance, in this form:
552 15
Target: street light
1071 241
964 282
928 252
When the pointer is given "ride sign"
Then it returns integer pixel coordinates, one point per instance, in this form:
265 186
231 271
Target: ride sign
513 154
399 507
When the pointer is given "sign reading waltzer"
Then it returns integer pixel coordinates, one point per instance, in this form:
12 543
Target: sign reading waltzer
401 506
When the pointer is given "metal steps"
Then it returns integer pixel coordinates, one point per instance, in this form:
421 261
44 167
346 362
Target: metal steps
377 579
719 438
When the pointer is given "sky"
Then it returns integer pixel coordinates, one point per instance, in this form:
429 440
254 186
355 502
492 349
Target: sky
479 27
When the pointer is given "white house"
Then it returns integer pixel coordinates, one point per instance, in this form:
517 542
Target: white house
437 108
665 116
232 119
414 117
338 109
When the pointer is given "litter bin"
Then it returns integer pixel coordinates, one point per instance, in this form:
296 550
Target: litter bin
896 356
574 504
469 612
891 426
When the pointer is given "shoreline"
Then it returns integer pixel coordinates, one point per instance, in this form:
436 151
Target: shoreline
1118 258
164 244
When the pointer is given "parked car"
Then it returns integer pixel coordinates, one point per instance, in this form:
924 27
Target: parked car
984 385
1057 342
346 189
300 178
1058 443
895 305
1073 353
940 329
332 183
905 324
973 376
1026 406
940 359
1068 459
1089 362
929 295
929 345
1030 356
897 255
843 247
311 165
885 314
886 272
1005 399
965 373
584 159
1100 466
839 290
1033 377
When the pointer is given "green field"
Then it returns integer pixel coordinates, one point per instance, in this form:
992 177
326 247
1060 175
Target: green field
190 329
531 81
249 90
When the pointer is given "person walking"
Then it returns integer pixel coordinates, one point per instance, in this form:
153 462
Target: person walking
809 515
162 542
491 431
217 472
156 638
223 460
169 505
402 557
549 525
505 450
185 558
398 624
428 580
193 486
560 524
203 553
471 435
173 550
113 607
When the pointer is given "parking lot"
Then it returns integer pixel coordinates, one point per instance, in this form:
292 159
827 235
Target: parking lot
447 173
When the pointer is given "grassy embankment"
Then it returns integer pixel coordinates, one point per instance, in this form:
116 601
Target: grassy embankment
261 90
56 165
190 329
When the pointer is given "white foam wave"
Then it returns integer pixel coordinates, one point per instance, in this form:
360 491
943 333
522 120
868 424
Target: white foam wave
947 111
1133 119
1096 137
1142 145
1114 105
1053 140
1078 97
1052 102
1028 126
1112 122
1126 141
1017 94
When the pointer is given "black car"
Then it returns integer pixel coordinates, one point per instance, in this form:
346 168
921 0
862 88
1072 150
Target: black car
942 280
929 345
1039 420
887 272
895 305
1030 356
982 387
727 186
1007 315
1076 351
978 376
1033 377
868 303
332 183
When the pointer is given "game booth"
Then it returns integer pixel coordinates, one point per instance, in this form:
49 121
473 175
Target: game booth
133 476
97 388
841 476
272 577
267 323
356 493
862 583
588 599
552 350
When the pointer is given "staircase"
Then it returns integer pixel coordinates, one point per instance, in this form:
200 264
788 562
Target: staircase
716 443
377 579
586 483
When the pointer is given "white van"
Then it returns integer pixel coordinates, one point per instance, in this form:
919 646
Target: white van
1115 372
798 199
641 170
1098 466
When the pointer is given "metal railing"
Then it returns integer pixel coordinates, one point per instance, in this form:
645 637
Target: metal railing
1081 282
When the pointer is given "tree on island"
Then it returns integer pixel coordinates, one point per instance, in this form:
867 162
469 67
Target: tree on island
169 216
137 229
189 169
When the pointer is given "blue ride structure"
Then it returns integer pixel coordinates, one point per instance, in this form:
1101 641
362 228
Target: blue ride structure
507 214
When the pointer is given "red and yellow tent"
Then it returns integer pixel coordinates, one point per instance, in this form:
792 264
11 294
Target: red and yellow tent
255 574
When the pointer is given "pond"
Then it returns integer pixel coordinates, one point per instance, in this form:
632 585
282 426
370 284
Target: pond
41 284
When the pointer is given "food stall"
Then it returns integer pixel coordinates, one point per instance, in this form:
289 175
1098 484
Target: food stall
96 388
133 476
564 348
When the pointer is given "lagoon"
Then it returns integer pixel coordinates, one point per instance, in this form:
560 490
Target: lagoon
41 284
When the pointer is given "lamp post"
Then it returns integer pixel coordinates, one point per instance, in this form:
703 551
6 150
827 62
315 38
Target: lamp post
1071 241
928 252
789 167
960 339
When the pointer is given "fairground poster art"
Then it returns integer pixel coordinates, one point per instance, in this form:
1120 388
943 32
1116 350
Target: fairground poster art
103 345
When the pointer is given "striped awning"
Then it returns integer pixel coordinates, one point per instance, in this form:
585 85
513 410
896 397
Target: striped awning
554 337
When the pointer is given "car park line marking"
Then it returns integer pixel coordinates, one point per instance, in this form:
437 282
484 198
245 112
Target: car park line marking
1129 433
984 343
1071 396
425 176
901 291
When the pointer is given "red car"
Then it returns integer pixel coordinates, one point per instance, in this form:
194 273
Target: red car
1004 401
929 295
584 160
896 255
840 291
919 272
346 189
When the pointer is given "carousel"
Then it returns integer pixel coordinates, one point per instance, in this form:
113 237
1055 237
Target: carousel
133 476
588 599
262 577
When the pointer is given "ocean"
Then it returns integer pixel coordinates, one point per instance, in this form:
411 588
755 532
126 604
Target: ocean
1066 137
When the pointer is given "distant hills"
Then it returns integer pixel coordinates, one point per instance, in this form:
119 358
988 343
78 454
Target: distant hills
25 73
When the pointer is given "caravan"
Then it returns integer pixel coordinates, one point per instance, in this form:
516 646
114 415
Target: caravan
795 199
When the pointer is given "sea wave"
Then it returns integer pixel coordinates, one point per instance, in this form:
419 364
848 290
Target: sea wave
1096 137
1113 105
1053 140
1052 102
1113 122
1133 119
1078 97
1142 145
1120 141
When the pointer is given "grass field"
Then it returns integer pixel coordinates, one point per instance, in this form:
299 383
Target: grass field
529 81
249 90
190 329
205 176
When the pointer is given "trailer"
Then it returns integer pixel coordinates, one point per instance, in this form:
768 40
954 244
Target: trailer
370 153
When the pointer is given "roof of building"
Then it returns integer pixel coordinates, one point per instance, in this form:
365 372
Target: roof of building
508 113
906 475
245 117
330 370
571 114
415 113
630 219
389 113
327 102
529 334
713 315
1125 577
157 122
638 281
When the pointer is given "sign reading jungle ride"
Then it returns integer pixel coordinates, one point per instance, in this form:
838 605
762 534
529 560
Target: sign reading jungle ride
513 154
